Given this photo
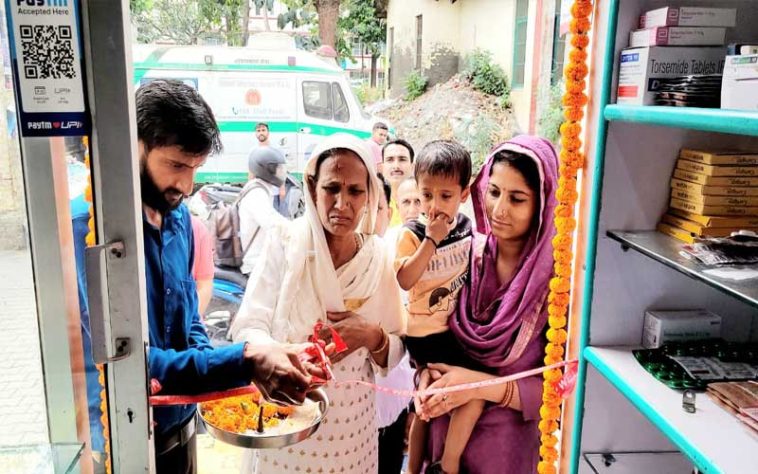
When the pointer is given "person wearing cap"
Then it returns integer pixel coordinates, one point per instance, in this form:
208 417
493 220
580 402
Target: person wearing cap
256 210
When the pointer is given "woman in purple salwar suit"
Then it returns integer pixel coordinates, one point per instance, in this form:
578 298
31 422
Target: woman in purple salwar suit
502 311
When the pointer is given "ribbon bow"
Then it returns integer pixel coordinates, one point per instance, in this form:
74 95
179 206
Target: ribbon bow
316 352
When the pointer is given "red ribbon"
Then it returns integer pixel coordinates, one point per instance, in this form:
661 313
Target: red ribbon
313 353
567 383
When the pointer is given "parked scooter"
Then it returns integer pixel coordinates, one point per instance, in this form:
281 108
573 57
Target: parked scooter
228 291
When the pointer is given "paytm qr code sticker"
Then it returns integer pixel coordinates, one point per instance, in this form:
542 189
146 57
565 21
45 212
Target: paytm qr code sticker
47 57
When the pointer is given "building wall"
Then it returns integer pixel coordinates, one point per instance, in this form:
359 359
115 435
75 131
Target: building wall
488 24
440 40
521 96
451 31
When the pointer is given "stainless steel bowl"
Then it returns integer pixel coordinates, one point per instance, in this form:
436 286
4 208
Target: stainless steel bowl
266 441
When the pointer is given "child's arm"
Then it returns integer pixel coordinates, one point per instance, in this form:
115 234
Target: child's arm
412 269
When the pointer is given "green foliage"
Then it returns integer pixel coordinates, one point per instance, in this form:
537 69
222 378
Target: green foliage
298 14
485 75
261 4
367 94
187 21
504 101
360 22
478 136
415 85
551 112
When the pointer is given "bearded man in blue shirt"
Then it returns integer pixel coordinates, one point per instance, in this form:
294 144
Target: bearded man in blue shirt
177 132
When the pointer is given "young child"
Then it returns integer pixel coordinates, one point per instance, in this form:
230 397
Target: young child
432 264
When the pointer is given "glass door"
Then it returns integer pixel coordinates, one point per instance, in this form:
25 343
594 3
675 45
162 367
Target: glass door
73 396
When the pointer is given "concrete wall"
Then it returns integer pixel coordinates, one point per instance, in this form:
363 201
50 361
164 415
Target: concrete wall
488 24
440 40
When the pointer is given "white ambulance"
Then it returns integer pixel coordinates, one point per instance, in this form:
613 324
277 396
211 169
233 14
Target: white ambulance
301 96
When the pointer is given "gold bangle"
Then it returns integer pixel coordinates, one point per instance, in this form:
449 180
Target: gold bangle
508 395
384 344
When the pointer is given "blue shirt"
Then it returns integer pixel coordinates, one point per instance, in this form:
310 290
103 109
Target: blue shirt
181 356
80 219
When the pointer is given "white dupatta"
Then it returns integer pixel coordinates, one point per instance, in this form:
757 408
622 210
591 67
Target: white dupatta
310 286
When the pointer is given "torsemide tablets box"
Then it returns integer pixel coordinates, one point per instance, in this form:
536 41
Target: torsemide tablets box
640 69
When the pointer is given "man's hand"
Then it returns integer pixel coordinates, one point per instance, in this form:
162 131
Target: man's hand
438 228
278 373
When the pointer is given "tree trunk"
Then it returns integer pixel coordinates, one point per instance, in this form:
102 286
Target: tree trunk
245 22
328 12
265 18
374 59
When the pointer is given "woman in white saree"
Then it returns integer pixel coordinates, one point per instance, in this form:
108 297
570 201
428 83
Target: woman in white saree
328 265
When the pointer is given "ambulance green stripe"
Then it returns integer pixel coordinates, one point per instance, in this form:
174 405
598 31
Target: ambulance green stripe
140 69
290 127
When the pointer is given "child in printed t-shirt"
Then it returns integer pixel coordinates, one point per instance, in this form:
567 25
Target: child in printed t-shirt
432 264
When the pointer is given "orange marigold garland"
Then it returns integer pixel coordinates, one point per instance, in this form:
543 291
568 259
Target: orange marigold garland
90 240
571 160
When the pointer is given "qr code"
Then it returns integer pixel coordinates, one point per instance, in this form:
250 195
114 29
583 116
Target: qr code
47 51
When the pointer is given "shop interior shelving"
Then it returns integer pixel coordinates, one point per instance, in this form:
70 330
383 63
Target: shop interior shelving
738 122
666 250
631 268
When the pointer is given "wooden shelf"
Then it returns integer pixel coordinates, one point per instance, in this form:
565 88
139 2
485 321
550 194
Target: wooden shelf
713 439
739 122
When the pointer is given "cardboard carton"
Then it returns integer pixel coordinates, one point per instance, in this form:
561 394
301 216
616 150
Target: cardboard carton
702 209
689 16
641 69
739 86
716 221
723 157
677 36
698 229
705 180
709 170
714 200
660 327
699 189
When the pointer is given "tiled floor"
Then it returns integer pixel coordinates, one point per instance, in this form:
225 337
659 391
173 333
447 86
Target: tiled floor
22 401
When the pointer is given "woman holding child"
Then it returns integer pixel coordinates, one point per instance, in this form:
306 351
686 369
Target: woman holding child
328 266
502 312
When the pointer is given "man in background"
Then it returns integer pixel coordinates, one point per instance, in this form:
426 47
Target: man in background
379 134
202 266
408 200
397 166
262 134
287 201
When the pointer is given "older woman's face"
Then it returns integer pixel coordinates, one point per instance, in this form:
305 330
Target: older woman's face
510 203
341 193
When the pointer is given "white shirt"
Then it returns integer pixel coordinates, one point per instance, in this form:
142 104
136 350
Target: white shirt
257 211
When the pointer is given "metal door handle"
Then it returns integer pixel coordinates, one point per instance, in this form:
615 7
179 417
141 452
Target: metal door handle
104 347
305 130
